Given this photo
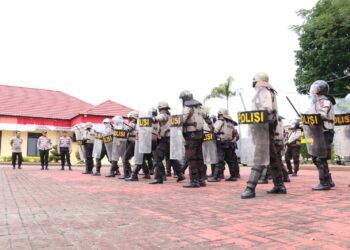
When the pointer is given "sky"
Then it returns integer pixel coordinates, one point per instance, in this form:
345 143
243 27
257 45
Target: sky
140 52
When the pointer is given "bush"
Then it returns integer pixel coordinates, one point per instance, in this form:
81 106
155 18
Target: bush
54 155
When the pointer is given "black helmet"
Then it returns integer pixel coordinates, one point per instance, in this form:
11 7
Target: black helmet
319 87
186 95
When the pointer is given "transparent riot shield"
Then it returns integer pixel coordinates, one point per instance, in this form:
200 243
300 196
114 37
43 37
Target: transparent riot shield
254 137
79 139
96 152
138 156
145 134
176 137
314 136
342 130
119 143
209 148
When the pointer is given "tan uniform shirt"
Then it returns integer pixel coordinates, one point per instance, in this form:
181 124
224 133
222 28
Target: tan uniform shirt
44 143
193 119
89 136
324 107
224 130
65 142
16 144
164 124
265 100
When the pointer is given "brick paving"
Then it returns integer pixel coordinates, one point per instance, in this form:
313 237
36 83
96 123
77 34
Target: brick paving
67 210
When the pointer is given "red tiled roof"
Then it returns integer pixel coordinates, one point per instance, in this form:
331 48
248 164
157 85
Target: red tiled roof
108 108
32 102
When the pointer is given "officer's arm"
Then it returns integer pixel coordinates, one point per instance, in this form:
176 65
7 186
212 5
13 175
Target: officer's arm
11 142
265 101
218 126
161 118
325 107
208 121
235 135
186 113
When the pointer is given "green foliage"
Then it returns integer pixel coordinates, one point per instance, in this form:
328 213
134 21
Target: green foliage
25 159
77 155
324 40
304 153
54 155
222 91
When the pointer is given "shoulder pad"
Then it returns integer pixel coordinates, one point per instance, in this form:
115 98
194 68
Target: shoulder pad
192 103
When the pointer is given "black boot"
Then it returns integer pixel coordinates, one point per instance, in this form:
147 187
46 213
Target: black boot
134 174
248 193
87 171
62 168
117 172
232 174
295 174
156 181
97 173
330 181
216 174
111 172
289 166
278 188
194 183
321 187
70 168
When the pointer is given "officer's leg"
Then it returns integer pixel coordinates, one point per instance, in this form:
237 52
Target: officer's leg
134 174
112 171
168 166
99 161
14 156
20 160
220 165
68 160
254 176
229 158
296 160
46 159
322 173
195 164
288 157
41 152
63 162
158 157
264 177
276 171
129 153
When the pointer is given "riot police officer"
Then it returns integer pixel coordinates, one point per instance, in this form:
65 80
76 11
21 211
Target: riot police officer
322 104
193 122
265 99
163 148
107 135
130 145
293 148
88 140
226 135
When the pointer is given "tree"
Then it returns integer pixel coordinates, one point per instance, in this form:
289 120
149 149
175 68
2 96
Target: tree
324 40
222 91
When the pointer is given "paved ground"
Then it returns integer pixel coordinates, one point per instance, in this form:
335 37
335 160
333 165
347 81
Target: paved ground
67 210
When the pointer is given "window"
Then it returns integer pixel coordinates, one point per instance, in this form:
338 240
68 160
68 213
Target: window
32 149
0 140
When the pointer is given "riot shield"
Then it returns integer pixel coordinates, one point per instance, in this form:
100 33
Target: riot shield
79 139
209 148
96 152
145 135
314 136
120 136
254 138
138 156
176 138
342 130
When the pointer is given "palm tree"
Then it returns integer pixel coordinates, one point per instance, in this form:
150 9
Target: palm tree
222 91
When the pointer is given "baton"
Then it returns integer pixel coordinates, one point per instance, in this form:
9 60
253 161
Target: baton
296 111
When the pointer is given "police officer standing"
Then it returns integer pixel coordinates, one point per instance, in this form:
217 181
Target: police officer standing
16 146
130 145
293 148
226 136
265 99
107 133
88 139
44 145
193 123
163 148
322 104
65 149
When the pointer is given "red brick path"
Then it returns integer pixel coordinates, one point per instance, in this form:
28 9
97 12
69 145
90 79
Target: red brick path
67 210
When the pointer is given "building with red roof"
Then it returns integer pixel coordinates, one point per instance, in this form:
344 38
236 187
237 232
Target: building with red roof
32 110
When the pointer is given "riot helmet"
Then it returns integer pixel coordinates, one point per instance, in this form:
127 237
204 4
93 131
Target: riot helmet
319 87
347 97
294 124
117 120
261 76
163 105
133 114
222 111
186 95
106 120
88 125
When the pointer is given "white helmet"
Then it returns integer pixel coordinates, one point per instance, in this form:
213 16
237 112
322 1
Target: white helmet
117 120
106 120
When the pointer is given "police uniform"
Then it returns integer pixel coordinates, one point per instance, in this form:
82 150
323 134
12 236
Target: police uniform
163 148
193 123
148 158
265 99
293 150
108 131
65 147
130 148
324 106
16 147
89 138
226 135
44 145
